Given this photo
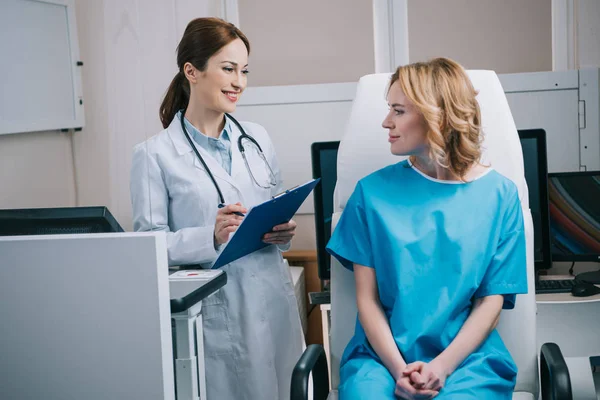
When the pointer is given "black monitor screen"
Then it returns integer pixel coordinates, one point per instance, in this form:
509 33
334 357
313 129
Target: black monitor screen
575 215
324 165
55 221
533 143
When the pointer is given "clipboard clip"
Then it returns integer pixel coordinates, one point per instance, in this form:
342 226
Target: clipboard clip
285 192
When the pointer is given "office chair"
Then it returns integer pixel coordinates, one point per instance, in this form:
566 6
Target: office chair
364 149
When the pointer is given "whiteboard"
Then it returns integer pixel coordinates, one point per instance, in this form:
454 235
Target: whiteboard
39 76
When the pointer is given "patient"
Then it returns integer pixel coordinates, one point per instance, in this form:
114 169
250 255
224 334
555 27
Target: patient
437 246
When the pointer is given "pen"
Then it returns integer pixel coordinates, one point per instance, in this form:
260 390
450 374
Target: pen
235 212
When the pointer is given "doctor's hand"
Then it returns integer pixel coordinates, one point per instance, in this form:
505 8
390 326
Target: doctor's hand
227 222
281 234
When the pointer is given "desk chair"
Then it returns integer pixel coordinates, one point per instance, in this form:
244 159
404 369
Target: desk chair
364 149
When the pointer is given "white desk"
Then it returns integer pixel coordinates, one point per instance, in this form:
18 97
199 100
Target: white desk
573 323
85 317
189 367
300 290
188 288
325 322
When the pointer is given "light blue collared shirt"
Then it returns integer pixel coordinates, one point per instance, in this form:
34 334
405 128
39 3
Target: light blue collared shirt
219 148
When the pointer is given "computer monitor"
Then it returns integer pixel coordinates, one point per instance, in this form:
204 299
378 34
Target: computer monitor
533 143
574 199
54 221
324 166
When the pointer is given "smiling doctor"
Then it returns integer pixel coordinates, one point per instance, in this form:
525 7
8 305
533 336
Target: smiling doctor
194 180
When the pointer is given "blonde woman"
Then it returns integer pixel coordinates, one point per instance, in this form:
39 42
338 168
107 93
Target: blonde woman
437 246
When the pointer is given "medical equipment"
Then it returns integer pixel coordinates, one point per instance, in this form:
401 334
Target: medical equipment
272 180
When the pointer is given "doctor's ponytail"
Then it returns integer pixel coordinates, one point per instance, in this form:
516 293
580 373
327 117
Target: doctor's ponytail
177 98
203 38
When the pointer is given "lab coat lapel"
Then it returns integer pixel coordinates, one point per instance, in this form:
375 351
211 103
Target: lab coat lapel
215 167
183 147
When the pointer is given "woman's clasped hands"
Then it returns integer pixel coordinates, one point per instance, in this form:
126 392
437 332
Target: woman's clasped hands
420 380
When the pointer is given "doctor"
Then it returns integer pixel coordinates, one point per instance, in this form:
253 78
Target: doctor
191 180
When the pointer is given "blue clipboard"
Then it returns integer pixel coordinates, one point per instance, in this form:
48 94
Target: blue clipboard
260 220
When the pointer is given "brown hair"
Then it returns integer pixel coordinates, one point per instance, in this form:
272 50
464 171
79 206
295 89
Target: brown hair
203 38
444 94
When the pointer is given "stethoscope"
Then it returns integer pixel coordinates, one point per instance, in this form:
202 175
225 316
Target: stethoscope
244 135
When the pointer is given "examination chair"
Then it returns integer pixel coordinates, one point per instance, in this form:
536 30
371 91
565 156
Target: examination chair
364 149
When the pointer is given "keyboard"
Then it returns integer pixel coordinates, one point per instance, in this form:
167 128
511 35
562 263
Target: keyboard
555 285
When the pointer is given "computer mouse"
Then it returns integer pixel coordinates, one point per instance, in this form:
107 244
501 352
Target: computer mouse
584 289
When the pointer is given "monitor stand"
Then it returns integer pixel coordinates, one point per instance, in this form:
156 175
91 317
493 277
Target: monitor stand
591 277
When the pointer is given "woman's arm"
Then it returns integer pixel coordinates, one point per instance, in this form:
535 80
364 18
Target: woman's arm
482 320
374 321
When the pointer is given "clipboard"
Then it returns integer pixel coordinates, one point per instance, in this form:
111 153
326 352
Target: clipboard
261 219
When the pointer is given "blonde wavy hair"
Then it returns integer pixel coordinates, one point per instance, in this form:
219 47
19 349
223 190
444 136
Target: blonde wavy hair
444 94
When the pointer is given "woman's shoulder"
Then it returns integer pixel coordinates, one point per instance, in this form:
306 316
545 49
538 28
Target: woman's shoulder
396 171
383 180
504 186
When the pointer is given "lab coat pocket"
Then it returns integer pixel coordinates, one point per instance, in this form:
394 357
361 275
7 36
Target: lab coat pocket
216 326
192 204
212 305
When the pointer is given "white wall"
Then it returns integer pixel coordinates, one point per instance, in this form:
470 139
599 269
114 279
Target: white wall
507 36
36 170
309 41
588 33
91 145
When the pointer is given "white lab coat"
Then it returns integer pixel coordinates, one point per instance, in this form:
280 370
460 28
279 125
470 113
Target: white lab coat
252 331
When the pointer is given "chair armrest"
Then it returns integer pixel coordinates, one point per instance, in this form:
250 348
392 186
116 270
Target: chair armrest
312 360
556 381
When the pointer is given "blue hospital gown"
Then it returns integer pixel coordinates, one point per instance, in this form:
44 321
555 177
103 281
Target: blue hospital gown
435 246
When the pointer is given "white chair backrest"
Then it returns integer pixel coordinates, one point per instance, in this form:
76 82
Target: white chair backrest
364 149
